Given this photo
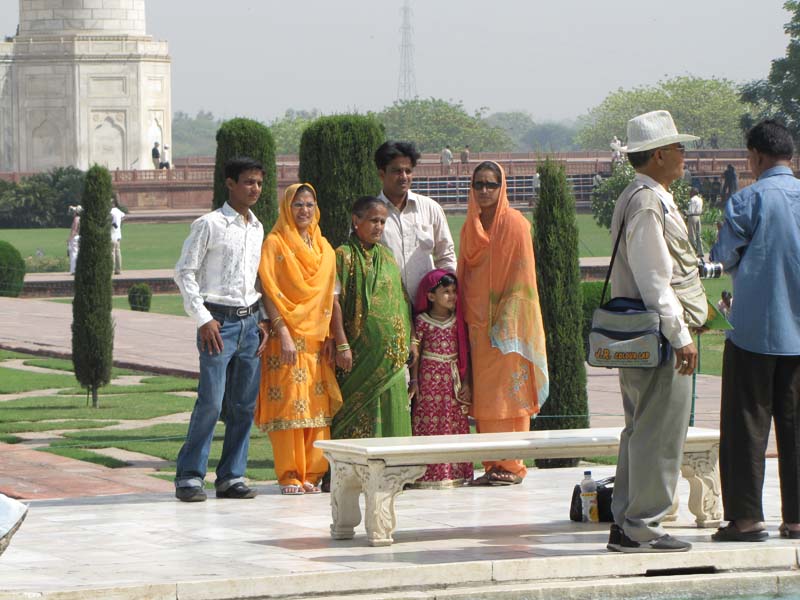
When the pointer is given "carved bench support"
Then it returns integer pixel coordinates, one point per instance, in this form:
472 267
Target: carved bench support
701 470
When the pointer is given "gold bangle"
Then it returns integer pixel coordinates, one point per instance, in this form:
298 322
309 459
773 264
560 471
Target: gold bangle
342 347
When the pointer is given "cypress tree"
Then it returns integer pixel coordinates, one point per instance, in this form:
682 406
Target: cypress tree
336 157
245 137
558 276
92 327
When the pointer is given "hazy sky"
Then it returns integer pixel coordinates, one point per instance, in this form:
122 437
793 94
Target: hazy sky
553 59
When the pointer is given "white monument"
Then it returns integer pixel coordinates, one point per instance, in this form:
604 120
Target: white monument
81 83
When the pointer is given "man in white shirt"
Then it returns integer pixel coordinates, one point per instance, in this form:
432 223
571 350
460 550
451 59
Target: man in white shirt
446 160
116 234
416 231
693 215
651 264
216 274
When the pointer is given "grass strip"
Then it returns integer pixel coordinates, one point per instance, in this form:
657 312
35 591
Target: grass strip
119 407
86 456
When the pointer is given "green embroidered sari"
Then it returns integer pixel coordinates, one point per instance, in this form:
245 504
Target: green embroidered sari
377 322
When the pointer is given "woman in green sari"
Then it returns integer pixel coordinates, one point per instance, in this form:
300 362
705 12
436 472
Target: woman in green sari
372 325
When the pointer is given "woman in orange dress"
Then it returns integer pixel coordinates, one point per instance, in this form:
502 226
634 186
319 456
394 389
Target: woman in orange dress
298 396
497 271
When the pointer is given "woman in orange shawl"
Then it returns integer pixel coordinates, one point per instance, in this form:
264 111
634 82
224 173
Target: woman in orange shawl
298 395
500 300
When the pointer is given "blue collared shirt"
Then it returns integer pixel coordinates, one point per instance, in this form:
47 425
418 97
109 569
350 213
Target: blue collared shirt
759 245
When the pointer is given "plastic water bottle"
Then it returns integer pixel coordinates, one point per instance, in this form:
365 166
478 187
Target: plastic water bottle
589 498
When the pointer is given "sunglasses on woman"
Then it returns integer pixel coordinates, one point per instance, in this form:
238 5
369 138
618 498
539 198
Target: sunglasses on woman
485 185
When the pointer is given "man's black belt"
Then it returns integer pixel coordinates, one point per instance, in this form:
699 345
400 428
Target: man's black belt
232 311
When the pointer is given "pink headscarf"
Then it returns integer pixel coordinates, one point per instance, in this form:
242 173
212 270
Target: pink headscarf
430 281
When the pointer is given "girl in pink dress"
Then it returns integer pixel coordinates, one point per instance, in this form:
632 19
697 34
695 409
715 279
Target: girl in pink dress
438 388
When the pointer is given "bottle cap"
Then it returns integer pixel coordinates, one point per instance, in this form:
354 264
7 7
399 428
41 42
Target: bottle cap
587 473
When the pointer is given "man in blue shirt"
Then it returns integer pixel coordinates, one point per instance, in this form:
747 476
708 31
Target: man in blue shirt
759 244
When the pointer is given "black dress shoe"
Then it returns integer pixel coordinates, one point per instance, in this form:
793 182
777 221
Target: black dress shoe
238 490
190 494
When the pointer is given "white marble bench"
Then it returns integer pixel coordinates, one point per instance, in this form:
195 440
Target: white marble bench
380 467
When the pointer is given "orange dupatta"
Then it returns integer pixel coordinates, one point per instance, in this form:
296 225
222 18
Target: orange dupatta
509 308
299 279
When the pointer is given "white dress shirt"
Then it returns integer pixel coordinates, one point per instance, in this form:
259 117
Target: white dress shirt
644 267
116 224
219 262
695 206
419 237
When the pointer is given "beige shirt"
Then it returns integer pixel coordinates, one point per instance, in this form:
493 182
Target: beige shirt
419 237
644 267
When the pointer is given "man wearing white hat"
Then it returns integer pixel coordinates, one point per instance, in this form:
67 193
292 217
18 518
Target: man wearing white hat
655 263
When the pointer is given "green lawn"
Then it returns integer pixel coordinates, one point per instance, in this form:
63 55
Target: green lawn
114 407
14 381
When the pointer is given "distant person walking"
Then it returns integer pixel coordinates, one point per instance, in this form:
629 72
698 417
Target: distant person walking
155 153
164 164
74 239
116 234
730 182
216 274
693 221
446 160
465 158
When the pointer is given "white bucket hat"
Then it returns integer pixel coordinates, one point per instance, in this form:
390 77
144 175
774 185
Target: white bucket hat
651 130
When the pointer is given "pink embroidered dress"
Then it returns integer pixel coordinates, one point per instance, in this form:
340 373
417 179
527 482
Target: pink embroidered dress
436 411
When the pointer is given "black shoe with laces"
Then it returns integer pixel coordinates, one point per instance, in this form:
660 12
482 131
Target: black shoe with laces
238 491
190 494
614 538
665 543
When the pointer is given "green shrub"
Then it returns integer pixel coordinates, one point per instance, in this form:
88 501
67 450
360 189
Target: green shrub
12 270
245 137
558 277
41 200
139 296
92 327
336 157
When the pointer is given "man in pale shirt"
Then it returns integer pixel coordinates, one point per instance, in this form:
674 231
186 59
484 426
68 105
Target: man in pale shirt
416 231
693 215
650 264
116 234
216 274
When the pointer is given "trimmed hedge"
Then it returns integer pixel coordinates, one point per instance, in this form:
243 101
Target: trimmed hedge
12 270
245 137
336 157
139 297
558 276
92 327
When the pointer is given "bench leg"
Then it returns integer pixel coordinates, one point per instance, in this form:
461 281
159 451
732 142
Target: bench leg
383 484
345 490
701 470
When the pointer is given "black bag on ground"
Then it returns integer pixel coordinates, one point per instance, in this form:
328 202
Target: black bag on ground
605 490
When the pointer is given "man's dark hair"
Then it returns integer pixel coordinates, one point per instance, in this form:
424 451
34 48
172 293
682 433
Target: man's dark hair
390 150
239 164
639 159
771 138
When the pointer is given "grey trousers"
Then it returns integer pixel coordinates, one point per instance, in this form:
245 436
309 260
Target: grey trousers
657 403
695 239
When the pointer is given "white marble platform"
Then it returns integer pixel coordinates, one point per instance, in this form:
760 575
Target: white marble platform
153 547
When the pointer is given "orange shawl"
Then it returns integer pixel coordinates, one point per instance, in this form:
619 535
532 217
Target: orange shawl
299 280
508 304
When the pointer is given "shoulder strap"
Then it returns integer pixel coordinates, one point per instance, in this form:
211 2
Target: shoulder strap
616 243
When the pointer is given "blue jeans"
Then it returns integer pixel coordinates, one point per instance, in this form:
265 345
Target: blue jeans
234 375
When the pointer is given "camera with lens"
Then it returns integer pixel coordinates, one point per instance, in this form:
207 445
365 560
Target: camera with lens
709 270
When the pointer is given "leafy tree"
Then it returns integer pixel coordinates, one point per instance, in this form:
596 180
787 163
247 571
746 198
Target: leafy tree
194 136
708 108
529 136
558 276
604 197
41 200
336 157
288 129
245 137
433 123
92 327
776 97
